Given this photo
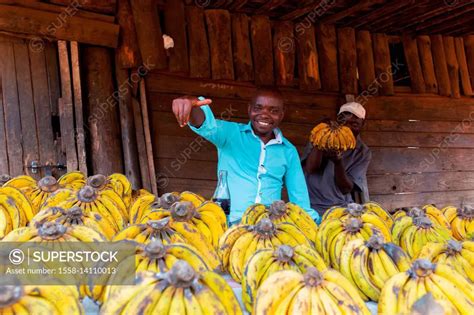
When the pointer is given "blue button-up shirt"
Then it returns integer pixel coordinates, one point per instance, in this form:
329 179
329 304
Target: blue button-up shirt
256 171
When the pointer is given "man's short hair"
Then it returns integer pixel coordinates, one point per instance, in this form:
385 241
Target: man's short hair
269 90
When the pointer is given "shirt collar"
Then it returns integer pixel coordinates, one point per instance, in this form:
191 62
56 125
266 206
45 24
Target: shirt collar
278 134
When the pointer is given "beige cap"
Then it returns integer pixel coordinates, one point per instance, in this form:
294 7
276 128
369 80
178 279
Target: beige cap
354 108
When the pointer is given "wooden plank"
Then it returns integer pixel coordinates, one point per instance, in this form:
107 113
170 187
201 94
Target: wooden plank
3 137
284 52
326 39
78 108
383 67
351 10
39 79
204 170
453 66
308 67
128 51
469 46
365 59
261 35
346 44
441 67
413 62
147 21
27 109
314 9
395 160
243 63
199 64
51 54
427 66
440 199
103 121
463 69
39 23
457 127
420 182
141 147
66 110
146 129
220 43
175 26
103 6
418 139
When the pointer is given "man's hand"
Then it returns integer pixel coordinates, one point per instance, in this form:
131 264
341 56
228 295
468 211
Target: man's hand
183 106
333 155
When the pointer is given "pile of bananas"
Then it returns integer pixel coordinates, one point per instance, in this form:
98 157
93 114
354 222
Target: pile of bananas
169 231
358 210
266 262
458 255
240 242
333 234
15 210
412 233
428 305
278 212
315 292
461 221
430 211
332 136
369 264
445 284
181 290
48 299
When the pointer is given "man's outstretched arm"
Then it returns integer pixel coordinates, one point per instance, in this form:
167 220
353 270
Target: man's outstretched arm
187 109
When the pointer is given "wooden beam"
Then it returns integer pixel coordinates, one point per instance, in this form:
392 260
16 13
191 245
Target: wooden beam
242 49
445 17
199 59
346 44
414 67
441 67
359 6
149 34
39 23
284 47
383 66
453 66
141 145
405 14
376 14
308 67
269 6
51 54
66 109
128 51
326 39
365 59
237 5
78 108
313 10
463 70
220 43
261 35
453 25
103 6
427 65
469 46
175 26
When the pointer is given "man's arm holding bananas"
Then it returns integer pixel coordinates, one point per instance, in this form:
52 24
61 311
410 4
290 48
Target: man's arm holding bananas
314 161
343 182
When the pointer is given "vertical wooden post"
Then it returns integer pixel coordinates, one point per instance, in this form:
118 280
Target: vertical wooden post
441 67
104 128
426 57
346 44
414 67
175 26
308 67
141 146
243 63
3 138
220 43
365 59
453 66
284 47
469 45
128 52
326 39
199 64
261 34
383 66
463 69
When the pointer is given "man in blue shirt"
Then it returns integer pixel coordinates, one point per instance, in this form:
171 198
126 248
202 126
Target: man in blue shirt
256 156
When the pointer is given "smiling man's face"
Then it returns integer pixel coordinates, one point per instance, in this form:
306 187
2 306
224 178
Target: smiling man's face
266 112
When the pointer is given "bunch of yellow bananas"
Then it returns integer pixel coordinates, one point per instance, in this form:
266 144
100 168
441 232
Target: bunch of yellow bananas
105 202
209 218
4 178
412 234
169 232
369 264
315 292
458 255
15 210
116 182
445 284
47 299
240 242
332 136
75 216
461 221
278 212
357 210
38 191
266 262
333 234
429 211
182 290
54 232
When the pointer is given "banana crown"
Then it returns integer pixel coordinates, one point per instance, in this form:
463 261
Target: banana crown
48 184
51 230
98 181
313 277
4 178
9 295
183 211
421 268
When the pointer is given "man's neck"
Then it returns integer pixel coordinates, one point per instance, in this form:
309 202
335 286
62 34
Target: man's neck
265 138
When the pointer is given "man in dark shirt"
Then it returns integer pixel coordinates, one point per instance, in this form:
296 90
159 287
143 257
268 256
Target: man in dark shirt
332 176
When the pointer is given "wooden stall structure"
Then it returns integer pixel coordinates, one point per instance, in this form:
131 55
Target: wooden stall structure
410 63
